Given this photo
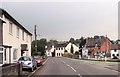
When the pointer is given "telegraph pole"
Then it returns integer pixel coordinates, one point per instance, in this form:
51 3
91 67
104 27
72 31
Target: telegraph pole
35 39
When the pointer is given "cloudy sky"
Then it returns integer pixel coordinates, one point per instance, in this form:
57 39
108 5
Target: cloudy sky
63 19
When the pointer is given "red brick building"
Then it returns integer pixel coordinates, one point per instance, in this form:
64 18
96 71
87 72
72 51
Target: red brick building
98 44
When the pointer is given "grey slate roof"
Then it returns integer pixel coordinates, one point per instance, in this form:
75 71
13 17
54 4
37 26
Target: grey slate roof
14 21
91 42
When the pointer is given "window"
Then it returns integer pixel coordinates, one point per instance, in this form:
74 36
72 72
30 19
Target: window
1 58
117 54
113 55
15 54
23 35
5 54
17 32
56 48
10 27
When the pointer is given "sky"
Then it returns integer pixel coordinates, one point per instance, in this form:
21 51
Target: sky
63 19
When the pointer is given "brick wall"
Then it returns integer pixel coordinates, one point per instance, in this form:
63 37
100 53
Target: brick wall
106 46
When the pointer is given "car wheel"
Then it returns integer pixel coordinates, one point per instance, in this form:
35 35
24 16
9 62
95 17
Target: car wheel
32 69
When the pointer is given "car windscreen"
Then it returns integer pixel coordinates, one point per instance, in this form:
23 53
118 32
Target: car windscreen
24 59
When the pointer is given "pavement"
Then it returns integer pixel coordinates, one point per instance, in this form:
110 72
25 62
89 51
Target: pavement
109 65
66 66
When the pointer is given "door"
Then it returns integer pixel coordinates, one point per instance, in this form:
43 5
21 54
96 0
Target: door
1 56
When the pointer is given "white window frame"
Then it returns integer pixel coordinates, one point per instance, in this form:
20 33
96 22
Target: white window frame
23 35
15 55
10 28
18 32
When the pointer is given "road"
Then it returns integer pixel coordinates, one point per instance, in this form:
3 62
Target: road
61 66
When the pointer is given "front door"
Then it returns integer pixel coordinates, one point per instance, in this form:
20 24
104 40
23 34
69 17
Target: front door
1 56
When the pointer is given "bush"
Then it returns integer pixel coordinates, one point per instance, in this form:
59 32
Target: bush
36 53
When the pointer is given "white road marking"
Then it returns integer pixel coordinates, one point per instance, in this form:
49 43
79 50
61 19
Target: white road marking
79 75
68 65
73 69
63 62
45 61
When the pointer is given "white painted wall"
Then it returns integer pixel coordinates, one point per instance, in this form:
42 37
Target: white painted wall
115 53
48 53
12 40
85 52
59 51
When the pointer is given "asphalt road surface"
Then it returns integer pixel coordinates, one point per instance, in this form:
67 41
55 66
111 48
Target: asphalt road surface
61 66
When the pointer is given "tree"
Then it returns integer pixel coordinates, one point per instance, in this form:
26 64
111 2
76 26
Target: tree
72 40
40 46
77 52
53 42
72 49
82 42
77 41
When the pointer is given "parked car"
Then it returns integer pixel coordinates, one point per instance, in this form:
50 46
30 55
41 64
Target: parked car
28 63
39 60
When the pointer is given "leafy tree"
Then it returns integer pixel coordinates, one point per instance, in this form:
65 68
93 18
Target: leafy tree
82 42
40 46
77 41
77 52
53 42
72 40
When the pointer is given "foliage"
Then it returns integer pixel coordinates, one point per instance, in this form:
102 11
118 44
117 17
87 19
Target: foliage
77 53
40 46
82 42
53 42
35 53
72 40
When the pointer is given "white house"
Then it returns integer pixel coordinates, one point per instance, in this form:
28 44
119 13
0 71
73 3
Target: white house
115 51
59 49
68 48
49 50
15 40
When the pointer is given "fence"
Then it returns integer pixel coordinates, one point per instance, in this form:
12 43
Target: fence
11 70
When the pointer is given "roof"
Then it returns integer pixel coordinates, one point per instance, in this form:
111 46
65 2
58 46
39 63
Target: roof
115 46
14 21
61 45
49 47
2 21
92 42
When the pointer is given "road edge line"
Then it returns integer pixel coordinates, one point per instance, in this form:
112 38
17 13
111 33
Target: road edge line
37 68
